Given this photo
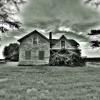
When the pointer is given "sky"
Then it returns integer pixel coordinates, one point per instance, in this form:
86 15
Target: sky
58 16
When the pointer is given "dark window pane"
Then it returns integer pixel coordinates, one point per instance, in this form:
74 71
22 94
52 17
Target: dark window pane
35 39
41 55
62 44
27 55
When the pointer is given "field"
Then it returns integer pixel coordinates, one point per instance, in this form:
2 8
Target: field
49 83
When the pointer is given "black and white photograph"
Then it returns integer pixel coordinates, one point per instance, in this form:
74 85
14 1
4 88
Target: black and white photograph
49 49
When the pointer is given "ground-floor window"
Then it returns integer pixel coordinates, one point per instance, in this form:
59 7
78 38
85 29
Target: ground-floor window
41 55
28 54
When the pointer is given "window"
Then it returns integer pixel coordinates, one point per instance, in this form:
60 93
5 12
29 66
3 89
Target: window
41 55
28 55
35 39
62 44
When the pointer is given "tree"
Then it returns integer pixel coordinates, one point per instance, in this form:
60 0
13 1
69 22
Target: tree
94 32
95 3
8 14
11 52
94 43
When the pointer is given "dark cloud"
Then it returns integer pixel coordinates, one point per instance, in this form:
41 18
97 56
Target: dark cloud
73 35
43 24
47 14
83 26
52 14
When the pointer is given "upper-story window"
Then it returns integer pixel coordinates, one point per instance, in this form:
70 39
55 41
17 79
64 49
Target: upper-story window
63 44
35 39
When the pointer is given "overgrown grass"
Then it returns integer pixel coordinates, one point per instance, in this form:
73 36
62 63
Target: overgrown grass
49 83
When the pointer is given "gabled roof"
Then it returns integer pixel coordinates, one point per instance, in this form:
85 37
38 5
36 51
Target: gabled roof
71 41
35 31
54 41
63 36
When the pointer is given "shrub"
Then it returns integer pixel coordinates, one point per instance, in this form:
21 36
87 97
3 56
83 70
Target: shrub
65 57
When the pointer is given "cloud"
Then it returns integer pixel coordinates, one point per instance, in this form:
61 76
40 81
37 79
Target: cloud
84 26
50 15
16 37
67 29
42 13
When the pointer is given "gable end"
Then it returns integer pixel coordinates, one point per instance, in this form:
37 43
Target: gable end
35 31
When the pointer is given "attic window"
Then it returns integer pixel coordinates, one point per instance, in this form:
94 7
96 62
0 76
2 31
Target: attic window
35 39
63 44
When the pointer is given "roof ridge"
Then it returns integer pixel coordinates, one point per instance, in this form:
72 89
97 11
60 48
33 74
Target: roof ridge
63 36
31 34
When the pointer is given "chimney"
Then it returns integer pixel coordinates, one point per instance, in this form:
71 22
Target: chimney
50 39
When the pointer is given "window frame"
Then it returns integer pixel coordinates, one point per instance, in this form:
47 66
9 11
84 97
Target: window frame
62 44
28 52
41 53
35 39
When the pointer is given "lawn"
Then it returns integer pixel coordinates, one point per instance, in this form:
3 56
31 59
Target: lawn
49 83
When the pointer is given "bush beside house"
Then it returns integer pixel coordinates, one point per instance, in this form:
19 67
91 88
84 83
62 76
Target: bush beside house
66 57
11 52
